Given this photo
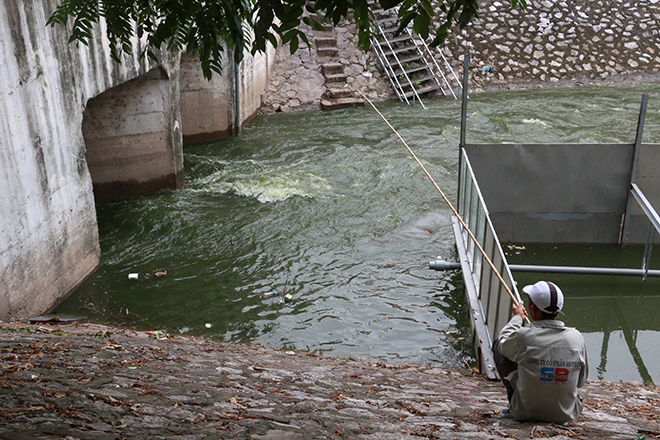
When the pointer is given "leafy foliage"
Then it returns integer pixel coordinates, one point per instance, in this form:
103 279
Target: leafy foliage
207 28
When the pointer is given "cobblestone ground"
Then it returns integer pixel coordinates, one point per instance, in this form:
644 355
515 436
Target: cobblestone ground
94 382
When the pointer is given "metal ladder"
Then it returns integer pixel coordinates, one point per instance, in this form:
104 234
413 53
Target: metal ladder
405 59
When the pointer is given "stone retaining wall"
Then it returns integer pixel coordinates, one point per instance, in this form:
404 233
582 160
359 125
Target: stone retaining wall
560 43
551 43
296 82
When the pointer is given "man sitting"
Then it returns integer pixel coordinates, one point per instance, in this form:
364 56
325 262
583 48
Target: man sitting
544 364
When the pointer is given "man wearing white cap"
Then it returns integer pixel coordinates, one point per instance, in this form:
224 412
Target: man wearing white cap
544 364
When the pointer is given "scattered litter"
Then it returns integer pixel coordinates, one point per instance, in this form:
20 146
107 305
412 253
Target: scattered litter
158 334
486 69
208 325
282 296
367 74
161 273
511 247
133 276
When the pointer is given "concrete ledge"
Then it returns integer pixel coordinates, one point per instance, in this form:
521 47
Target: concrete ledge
90 381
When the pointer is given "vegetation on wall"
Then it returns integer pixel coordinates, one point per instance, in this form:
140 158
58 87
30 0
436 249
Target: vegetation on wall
207 28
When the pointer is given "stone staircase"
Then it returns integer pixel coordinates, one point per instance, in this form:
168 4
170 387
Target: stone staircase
407 59
338 94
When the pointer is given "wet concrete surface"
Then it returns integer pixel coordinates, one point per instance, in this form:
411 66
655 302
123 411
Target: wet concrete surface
93 382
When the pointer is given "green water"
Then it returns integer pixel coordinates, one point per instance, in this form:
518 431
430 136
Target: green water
329 208
617 315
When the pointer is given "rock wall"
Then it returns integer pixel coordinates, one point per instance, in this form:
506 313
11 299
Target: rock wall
296 81
560 43
48 231
551 43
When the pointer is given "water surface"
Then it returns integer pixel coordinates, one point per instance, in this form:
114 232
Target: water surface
329 208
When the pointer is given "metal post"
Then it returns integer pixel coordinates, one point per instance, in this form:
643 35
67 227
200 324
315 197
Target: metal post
623 234
466 74
237 97
461 144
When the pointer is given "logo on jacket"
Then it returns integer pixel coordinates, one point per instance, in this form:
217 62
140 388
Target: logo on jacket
549 374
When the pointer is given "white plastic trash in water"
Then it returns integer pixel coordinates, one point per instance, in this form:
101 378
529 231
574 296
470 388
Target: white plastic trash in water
133 276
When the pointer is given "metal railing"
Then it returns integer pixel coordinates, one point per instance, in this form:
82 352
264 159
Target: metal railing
425 49
489 300
403 79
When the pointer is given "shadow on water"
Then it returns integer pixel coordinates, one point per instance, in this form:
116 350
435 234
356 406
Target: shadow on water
332 202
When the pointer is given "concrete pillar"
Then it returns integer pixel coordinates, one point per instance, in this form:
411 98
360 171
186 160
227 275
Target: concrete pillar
207 107
133 138
254 74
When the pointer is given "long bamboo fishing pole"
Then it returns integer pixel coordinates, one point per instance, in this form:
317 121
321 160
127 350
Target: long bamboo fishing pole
451 207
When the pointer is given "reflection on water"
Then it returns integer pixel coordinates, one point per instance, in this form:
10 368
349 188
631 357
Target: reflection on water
617 315
330 207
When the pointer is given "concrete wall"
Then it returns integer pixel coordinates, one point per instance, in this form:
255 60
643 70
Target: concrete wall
565 193
132 134
254 75
208 107
48 230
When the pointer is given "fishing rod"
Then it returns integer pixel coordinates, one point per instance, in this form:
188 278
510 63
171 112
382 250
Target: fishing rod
451 207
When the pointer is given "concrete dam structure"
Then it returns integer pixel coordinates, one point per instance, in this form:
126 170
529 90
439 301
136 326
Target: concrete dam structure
77 128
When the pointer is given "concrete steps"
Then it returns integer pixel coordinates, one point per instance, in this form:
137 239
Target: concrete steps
338 95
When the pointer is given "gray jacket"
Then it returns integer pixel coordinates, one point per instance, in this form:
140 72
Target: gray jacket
552 365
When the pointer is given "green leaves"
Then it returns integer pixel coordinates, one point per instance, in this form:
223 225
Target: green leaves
208 28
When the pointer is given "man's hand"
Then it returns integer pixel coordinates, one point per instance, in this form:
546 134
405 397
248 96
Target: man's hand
519 310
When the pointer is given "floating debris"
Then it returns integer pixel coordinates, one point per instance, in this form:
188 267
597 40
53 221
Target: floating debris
52 319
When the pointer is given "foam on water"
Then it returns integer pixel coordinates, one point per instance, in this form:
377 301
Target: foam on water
265 184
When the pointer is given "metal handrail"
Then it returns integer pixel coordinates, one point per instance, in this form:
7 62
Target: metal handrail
491 305
425 50
440 265
403 71
390 72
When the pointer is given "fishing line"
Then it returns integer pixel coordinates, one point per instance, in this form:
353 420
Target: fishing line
451 207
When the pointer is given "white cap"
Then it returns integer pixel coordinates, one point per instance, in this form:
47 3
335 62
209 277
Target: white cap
546 296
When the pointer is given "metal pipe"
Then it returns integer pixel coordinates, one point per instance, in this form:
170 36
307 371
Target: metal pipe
450 265
237 97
